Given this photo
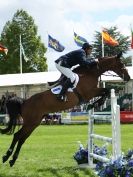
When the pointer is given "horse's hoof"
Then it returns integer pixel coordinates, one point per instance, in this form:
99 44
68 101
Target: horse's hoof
11 162
4 158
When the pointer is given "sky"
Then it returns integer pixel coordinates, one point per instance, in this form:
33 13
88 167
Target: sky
60 18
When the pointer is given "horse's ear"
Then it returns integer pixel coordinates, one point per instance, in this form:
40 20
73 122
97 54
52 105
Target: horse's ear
119 55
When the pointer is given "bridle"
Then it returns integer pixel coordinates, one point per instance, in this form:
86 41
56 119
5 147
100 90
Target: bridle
109 73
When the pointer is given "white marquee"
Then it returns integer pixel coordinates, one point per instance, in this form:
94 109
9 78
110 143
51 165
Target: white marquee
44 77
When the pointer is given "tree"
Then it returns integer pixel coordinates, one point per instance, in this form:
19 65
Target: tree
128 61
22 24
124 43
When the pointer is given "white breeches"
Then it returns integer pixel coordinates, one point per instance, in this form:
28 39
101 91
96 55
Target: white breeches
66 71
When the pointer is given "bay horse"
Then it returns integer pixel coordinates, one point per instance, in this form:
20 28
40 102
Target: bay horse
34 108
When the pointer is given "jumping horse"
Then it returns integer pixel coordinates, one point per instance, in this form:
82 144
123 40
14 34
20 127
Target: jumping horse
34 108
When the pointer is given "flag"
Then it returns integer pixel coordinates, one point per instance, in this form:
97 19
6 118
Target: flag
108 39
3 49
131 38
79 40
23 52
54 44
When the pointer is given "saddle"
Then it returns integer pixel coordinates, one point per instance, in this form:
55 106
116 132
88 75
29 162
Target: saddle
61 80
63 84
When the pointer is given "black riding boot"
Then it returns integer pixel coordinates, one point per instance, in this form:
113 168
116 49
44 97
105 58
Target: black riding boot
67 84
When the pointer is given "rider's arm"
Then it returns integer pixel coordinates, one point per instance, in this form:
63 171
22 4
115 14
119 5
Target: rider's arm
84 62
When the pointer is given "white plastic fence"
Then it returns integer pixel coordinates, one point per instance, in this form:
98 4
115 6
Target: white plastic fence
115 140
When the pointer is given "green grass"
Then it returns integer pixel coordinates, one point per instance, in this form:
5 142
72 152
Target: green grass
48 152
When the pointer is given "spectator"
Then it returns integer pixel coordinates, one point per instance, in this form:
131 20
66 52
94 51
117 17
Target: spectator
3 105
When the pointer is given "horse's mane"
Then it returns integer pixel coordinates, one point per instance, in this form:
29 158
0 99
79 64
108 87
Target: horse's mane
84 69
93 68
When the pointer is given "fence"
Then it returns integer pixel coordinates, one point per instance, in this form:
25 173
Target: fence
116 136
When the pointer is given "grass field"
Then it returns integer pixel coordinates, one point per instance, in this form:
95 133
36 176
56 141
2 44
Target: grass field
48 152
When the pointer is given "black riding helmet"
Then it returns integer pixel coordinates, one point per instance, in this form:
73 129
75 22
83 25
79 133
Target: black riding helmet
86 45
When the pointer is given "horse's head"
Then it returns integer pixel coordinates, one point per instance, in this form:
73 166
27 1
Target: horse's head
121 69
115 64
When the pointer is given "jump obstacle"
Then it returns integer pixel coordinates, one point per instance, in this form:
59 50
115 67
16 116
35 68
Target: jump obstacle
115 140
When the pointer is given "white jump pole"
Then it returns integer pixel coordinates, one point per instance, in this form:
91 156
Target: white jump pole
116 136
90 142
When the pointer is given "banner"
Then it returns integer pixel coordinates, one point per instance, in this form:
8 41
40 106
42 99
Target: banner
55 44
79 40
108 39
3 49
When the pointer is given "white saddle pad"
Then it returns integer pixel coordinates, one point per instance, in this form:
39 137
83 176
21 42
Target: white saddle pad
56 90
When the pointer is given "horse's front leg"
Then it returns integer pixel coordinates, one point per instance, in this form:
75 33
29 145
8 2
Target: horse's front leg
103 93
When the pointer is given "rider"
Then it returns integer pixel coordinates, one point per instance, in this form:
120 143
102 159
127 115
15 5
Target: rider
65 63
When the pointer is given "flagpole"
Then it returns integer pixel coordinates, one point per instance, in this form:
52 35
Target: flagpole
104 84
102 46
48 49
20 52
131 41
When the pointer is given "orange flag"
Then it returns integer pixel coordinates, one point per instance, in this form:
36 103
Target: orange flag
108 39
4 49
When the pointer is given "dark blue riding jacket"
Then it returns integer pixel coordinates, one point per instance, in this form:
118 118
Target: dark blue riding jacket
75 57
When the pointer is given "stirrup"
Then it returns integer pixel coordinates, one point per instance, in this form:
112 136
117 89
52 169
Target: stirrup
62 98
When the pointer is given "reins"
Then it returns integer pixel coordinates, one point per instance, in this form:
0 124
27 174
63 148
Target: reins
109 73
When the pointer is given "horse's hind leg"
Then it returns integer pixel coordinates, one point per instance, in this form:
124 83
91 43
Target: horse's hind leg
11 148
25 133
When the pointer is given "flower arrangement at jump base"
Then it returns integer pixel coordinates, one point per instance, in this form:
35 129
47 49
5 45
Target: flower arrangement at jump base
81 156
122 167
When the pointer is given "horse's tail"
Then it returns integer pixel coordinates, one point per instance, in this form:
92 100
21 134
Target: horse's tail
13 106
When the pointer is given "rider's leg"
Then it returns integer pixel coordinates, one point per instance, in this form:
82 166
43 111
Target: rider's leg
66 71
68 83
